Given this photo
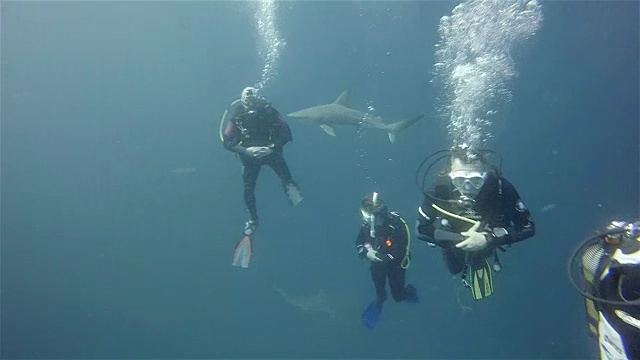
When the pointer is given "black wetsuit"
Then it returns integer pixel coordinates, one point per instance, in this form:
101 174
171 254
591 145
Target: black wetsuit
261 125
497 205
391 244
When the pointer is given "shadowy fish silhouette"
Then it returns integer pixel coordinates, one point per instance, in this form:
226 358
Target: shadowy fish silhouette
318 302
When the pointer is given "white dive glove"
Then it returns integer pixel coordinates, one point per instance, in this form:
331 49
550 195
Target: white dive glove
258 151
372 255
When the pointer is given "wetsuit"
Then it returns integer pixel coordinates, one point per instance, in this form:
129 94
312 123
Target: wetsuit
260 125
497 205
391 244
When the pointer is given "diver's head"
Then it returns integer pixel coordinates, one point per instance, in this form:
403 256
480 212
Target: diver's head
373 210
249 97
468 171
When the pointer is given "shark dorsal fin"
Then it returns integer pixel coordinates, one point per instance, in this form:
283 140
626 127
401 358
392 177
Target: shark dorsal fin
343 99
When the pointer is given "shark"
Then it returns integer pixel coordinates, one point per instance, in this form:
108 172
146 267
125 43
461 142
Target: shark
340 113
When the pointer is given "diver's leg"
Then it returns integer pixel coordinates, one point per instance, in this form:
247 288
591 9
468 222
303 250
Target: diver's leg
454 260
396 276
250 172
279 165
379 277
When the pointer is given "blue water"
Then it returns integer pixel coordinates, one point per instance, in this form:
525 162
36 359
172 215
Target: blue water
120 208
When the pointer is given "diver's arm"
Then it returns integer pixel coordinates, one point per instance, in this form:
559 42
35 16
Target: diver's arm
519 224
428 229
424 225
522 228
363 237
231 139
442 237
239 149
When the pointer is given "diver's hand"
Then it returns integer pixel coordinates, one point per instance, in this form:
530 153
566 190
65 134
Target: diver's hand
258 151
475 241
252 151
264 151
372 255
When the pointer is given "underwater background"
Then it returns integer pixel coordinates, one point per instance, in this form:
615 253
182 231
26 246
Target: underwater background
121 209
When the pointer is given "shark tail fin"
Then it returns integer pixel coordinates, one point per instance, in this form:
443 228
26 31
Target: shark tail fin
396 127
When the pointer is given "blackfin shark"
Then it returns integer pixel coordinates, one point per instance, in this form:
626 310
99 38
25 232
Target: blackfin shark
339 113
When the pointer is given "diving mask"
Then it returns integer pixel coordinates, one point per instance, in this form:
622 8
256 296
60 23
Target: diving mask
468 183
366 216
462 179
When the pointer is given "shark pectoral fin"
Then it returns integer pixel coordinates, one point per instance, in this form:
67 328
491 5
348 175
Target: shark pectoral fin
328 129
393 136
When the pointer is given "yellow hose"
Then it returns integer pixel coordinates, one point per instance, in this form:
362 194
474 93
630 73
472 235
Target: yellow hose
406 261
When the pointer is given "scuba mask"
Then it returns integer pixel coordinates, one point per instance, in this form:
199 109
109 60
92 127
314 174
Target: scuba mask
468 183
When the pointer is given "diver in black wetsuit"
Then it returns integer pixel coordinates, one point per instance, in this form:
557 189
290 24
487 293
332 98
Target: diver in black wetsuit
257 132
384 241
470 211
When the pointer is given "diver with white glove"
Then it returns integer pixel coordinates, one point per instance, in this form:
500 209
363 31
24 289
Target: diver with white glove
384 241
258 133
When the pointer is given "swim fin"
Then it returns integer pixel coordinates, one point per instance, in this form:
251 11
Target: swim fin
412 294
294 194
242 253
371 314
481 279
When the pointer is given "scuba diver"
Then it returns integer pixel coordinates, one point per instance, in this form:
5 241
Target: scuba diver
257 132
470 211
605 269
384 240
